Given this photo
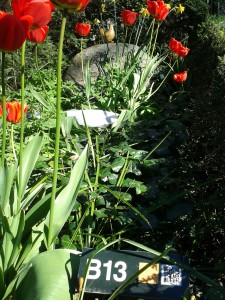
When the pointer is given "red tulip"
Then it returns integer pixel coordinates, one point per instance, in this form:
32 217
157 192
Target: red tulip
15 28
180 77
128 17
82 29
13 110
13 31
158 9
71 5
38 35
178 48
41 11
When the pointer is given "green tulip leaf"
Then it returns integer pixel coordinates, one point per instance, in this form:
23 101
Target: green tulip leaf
31 247
7 176
29 158
52 275
66 199
13 230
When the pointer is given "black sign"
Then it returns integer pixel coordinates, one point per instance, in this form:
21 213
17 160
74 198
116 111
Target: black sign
109 269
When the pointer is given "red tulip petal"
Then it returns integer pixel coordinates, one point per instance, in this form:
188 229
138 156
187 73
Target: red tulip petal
82 29
18 6
72 5
40 11
38 35
128 17
12 32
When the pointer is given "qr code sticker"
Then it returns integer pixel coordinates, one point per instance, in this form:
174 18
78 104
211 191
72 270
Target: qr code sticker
171 275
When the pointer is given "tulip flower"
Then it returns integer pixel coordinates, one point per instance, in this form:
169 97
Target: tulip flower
82 29
178 48
158 9
180 77
13 110
38 35
41 12
13 31
128 17
71 5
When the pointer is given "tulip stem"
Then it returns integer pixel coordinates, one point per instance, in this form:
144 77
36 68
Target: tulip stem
82 60
155 40
115 20
3 110
12 142
50 238
151 36
22 125
125 39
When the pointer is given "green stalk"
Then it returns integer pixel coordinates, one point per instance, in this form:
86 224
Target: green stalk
12 143
115 20
125 39
98 163
22 124
139 31
123 172
164 79
151 36
3 110
156 35
57 137
82 60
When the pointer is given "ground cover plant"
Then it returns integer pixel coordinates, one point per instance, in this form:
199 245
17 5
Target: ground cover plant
65 186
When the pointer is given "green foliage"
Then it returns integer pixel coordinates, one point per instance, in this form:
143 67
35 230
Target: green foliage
145 174
22 231
53 282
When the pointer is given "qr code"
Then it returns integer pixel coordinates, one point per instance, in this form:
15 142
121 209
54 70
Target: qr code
171 275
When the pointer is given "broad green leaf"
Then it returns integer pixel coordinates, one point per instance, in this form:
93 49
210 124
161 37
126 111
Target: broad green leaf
32 193
7 176
2 283
29 158
31 247
15 282
65 201
17 227
40 98
52 275
12 235
66 125
138 154
65 240
102 213
36 213
124 115
118 164
139 186
136 79
113 178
